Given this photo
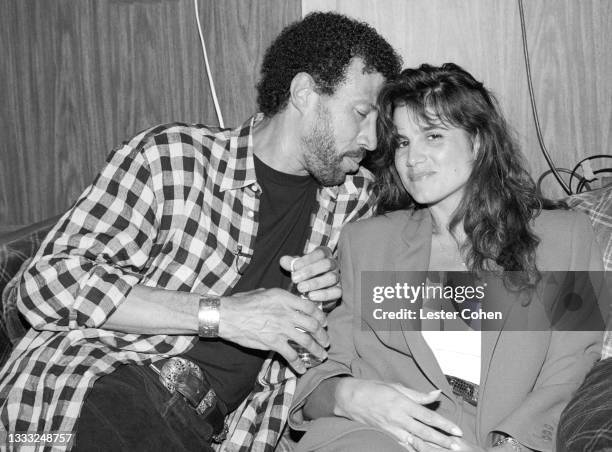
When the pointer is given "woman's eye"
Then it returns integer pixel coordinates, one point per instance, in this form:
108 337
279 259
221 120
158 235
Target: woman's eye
434 136
361 113
403 143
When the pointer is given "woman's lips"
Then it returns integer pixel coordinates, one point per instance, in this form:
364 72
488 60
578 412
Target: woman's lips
416 176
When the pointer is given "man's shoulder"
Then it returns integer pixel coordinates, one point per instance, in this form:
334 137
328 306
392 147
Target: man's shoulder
182 134
176 141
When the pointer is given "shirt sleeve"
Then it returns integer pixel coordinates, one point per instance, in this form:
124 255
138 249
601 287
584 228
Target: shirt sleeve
93 257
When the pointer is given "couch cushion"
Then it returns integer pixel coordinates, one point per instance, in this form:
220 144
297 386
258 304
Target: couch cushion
15 249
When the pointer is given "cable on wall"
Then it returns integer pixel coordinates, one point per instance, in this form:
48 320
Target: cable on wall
208 72
534 109
588 175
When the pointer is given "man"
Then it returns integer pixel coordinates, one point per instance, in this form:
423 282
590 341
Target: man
182 234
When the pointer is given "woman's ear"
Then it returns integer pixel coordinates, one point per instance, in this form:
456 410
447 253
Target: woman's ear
302 92
476 145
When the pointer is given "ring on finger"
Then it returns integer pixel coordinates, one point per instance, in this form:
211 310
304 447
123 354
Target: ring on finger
408 438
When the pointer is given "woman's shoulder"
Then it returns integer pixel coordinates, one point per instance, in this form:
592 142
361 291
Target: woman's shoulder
383 224
561 223
565 238
378 242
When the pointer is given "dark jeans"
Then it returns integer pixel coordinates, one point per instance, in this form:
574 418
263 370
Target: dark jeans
130 410
586 422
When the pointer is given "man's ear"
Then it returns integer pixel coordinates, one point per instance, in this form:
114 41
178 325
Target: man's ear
302 92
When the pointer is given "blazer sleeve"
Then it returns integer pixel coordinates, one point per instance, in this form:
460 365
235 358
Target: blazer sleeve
342 350
569 356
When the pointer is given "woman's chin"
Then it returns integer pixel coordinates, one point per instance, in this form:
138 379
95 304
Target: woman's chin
423 199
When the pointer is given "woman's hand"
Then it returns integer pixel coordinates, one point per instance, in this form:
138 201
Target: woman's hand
397 410
459 444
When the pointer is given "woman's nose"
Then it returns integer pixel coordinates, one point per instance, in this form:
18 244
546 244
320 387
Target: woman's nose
415 154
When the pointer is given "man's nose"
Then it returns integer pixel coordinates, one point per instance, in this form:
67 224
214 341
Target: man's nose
367 134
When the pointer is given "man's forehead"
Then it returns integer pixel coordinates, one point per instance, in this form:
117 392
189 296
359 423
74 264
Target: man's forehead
360 84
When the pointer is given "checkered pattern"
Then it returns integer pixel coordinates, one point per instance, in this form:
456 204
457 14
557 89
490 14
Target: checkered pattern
175 208
586 422
598 205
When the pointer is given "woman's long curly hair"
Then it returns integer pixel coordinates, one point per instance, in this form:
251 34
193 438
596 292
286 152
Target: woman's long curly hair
500 197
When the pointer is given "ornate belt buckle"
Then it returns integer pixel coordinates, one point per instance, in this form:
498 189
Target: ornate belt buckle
185 377
466 390
177 375
175 368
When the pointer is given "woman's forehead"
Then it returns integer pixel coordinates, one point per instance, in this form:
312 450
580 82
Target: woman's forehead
423 117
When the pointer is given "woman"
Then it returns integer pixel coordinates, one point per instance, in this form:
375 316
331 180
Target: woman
453 195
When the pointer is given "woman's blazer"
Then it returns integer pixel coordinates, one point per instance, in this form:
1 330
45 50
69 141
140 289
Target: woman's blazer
526 377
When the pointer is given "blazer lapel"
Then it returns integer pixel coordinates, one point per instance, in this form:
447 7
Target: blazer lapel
497 300
412 258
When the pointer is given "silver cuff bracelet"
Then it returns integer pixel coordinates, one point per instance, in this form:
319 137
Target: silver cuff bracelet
208 316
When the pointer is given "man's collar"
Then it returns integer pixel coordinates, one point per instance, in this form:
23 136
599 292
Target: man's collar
352 186
240 148
240 161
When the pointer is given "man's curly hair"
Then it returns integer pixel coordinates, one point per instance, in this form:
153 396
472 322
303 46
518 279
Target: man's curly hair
322 45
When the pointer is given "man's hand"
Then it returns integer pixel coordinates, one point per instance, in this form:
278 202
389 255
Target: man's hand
267 319
315 273
397 410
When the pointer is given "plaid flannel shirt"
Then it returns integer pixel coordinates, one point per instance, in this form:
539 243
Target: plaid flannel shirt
176 207
597 204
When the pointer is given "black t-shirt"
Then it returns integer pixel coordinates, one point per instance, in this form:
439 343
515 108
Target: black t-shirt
286 204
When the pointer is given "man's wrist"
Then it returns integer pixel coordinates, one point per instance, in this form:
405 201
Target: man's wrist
208 316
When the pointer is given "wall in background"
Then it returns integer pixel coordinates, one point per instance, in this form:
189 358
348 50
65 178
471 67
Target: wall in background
79 77
571 63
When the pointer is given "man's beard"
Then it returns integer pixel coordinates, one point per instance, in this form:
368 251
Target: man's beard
320 152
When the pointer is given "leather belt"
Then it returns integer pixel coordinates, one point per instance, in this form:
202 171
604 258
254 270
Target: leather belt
185 377
464 389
